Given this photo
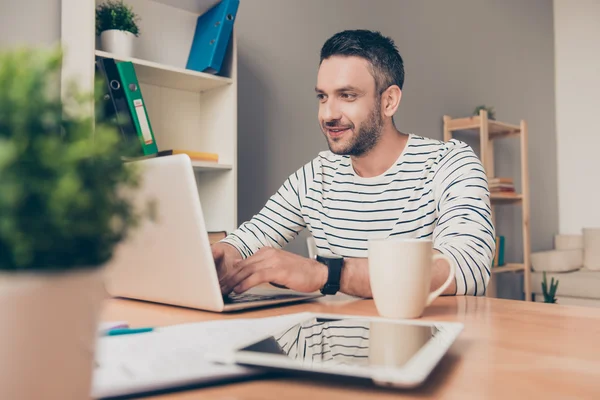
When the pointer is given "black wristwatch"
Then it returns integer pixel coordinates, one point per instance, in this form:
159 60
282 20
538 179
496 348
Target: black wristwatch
334 265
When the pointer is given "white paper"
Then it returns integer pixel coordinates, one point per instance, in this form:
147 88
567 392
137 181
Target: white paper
176 356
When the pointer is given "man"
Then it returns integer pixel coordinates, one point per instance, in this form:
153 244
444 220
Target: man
375 182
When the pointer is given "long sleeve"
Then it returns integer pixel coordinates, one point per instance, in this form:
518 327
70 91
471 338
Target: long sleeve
464 231
279 221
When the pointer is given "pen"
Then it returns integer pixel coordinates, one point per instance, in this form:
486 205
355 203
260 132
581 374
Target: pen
128 331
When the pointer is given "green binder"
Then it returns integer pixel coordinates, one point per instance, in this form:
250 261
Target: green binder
133 93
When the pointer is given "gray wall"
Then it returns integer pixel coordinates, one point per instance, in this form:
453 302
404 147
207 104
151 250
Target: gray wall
29 22
457 54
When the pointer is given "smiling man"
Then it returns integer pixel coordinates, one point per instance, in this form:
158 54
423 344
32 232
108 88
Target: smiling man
374 182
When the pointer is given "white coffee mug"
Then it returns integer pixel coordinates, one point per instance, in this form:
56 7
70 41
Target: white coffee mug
400 274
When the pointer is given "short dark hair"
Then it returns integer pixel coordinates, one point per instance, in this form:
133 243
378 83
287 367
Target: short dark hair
380 51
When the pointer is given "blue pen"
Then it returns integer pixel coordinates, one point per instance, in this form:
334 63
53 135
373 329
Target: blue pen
128 331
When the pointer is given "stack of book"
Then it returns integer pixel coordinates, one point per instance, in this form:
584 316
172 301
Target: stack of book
501 185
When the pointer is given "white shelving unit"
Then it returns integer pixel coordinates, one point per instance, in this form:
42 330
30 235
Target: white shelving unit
187 109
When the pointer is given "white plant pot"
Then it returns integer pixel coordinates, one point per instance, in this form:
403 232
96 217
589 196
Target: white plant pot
117 42
48 328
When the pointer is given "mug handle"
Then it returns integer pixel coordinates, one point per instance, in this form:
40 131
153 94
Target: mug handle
434 295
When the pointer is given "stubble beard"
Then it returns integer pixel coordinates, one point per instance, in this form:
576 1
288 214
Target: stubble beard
364 140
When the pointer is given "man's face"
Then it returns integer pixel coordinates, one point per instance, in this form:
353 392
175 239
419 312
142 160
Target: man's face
349 109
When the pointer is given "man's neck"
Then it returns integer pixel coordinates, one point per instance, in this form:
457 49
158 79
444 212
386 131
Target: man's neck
381 157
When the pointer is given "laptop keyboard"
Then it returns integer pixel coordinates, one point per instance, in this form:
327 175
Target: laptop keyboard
235 298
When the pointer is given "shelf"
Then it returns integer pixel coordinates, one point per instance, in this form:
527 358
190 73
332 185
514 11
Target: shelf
210 166
172 77
506 198
508 268
496 129
194 6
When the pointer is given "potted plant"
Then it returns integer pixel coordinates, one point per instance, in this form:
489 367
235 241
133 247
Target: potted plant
117 25
549 292
490 111
64 206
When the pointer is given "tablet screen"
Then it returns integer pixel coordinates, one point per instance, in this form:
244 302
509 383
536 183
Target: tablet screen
351 342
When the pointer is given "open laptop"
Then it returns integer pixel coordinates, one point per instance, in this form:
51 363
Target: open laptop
169 260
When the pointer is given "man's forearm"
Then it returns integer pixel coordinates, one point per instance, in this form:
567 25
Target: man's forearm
355 279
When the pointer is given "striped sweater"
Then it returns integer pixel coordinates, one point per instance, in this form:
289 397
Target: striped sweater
434 190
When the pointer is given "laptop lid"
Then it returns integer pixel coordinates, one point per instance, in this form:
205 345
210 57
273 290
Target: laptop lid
168 260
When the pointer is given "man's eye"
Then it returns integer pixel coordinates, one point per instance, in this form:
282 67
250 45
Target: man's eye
320 96
348 96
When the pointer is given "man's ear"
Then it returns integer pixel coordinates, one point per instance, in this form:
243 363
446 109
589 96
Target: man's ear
390 100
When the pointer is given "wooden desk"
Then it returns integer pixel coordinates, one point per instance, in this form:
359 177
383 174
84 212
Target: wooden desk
508 349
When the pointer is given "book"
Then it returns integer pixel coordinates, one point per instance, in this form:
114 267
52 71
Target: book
500 180
503 190
194 155
498 260
137 108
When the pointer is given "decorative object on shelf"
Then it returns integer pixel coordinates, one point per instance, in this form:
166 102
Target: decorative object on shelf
211 37
498 260
64 209
117 26
490 111
549 293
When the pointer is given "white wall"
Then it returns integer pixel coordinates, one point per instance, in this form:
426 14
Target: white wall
577 54
29 22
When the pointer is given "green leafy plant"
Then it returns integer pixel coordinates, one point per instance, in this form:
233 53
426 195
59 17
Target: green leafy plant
65 194
490 111
114 14
549 293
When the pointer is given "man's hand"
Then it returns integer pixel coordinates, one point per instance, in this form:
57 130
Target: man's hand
226 256
278 267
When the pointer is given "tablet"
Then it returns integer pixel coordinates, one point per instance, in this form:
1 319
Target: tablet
393 353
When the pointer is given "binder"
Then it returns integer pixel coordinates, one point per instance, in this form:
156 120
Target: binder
113 105
211 37
137 108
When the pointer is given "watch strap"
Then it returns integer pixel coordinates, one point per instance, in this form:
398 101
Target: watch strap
334 267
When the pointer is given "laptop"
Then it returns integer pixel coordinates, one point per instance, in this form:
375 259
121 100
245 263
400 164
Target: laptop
169 260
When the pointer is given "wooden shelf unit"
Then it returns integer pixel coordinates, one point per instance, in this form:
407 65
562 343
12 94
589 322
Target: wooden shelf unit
488 131
188 109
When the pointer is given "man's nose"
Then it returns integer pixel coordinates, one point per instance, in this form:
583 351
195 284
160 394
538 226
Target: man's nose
330 111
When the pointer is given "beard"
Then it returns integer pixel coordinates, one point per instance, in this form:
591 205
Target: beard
363 140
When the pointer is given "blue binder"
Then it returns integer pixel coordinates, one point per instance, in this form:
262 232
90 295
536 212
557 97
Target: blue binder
212 35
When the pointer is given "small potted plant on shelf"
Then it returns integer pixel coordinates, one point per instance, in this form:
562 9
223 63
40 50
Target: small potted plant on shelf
65 204
117 25
490 111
